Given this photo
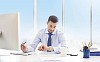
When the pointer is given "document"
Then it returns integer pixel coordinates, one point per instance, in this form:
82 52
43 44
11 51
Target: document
21 53
53 61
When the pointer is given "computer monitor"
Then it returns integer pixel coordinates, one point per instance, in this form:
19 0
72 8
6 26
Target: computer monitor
9 31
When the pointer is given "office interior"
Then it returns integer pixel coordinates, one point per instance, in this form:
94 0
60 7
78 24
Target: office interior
78 19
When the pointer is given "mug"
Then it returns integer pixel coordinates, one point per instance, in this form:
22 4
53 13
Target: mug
63 51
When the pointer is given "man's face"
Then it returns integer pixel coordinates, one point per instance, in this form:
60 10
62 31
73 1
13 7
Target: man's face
51 26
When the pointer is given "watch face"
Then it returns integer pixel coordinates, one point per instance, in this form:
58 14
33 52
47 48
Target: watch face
50 49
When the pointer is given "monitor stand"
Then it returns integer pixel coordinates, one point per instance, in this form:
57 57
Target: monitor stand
0 33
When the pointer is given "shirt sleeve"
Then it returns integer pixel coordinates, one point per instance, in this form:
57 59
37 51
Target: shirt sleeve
34 44
62 43
62 40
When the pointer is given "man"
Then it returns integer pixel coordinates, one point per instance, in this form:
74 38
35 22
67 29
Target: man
50 38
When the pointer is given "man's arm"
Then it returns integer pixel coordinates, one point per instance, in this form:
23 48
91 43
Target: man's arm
34 44
62 43
62 40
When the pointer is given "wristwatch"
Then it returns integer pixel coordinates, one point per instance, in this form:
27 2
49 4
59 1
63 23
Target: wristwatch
50 49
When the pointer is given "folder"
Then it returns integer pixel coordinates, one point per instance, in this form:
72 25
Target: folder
97 53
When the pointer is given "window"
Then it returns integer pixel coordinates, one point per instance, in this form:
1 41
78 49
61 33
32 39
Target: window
77 20
96 21
45 8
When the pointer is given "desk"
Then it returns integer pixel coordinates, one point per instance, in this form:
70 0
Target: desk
35 57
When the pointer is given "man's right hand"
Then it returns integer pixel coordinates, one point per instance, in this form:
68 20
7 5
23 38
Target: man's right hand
43 47
24 47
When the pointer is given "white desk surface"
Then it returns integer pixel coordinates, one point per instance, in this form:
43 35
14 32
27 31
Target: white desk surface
5 56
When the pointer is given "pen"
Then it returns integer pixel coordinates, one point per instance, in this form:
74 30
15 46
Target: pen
83 44
73 54
89 44
24 43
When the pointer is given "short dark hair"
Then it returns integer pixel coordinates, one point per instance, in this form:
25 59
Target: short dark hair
53 18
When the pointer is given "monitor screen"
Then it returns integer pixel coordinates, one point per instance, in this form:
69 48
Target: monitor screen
9 31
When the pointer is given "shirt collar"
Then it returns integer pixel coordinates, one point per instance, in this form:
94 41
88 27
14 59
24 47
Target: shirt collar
46 31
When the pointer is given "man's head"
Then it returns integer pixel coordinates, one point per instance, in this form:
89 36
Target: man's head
52 23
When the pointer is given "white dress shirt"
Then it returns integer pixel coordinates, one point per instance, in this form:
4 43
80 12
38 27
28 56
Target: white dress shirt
57 40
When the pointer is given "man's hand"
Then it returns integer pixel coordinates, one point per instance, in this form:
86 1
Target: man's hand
43 48
23 47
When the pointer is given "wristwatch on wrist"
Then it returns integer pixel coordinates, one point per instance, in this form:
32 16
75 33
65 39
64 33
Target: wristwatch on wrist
50 49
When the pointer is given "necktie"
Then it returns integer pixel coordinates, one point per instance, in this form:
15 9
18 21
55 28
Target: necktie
49 39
